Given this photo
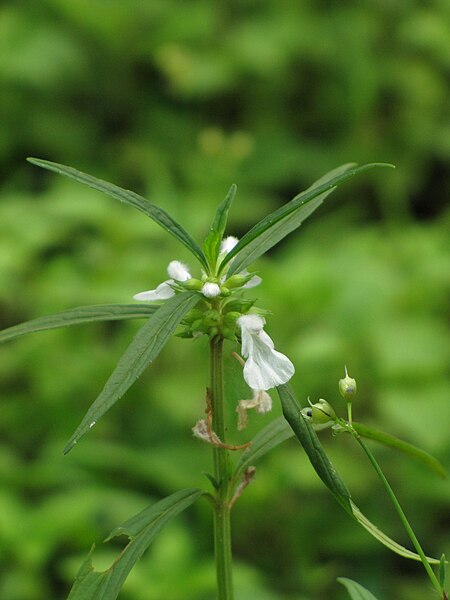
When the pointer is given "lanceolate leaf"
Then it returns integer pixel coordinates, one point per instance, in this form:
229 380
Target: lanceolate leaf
331 478
312 446
151 210
82 314
145 347
141 530
385 539
389 440
259 239
356 591
211 245
271 436
280 229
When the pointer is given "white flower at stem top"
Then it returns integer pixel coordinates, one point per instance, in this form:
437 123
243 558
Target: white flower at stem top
210 289
177 271
227 244
264 368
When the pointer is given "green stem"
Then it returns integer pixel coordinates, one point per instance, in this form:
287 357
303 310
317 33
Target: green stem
402 516
222 474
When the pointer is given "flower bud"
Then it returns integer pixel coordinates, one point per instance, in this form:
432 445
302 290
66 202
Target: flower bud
192 284
347 387
212 317
228 333
321 413
238 305
231 317
212 332
193 315
238 280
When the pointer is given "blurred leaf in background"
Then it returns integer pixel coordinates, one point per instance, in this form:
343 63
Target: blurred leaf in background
176 104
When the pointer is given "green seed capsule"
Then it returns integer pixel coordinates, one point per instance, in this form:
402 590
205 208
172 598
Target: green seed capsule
347 387
321 413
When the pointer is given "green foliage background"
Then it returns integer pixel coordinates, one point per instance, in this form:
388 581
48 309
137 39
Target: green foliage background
176 101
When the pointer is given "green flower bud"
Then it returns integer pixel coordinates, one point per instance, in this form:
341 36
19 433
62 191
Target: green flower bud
238 305
212 332
231 318
193 315
191 284
321 413
212 317
197 325
347 387
236 281
228 333
225 291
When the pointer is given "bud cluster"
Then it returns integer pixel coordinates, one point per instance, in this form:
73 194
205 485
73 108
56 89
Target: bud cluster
220 319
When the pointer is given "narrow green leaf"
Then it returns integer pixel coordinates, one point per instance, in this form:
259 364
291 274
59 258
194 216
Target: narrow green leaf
141 530
312 446
280 229
267 232
142 204
326 471
356 591
442 570
385 539
211 245
389 440
76 316
269 437
144 348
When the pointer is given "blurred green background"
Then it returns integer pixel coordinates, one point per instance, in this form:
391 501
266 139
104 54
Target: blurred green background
176 100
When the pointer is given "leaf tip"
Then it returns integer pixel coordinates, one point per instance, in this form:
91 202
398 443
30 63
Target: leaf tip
69 446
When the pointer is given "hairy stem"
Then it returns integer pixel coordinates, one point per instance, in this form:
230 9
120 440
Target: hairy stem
403 518
222 473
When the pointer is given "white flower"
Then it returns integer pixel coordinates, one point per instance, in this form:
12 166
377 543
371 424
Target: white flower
210 290
264 368
177 271
228 244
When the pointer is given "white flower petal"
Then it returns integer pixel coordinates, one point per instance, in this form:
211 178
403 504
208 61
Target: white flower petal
228 244
162 292
266 339
253 282
251 323
178 271
265 368
210 290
